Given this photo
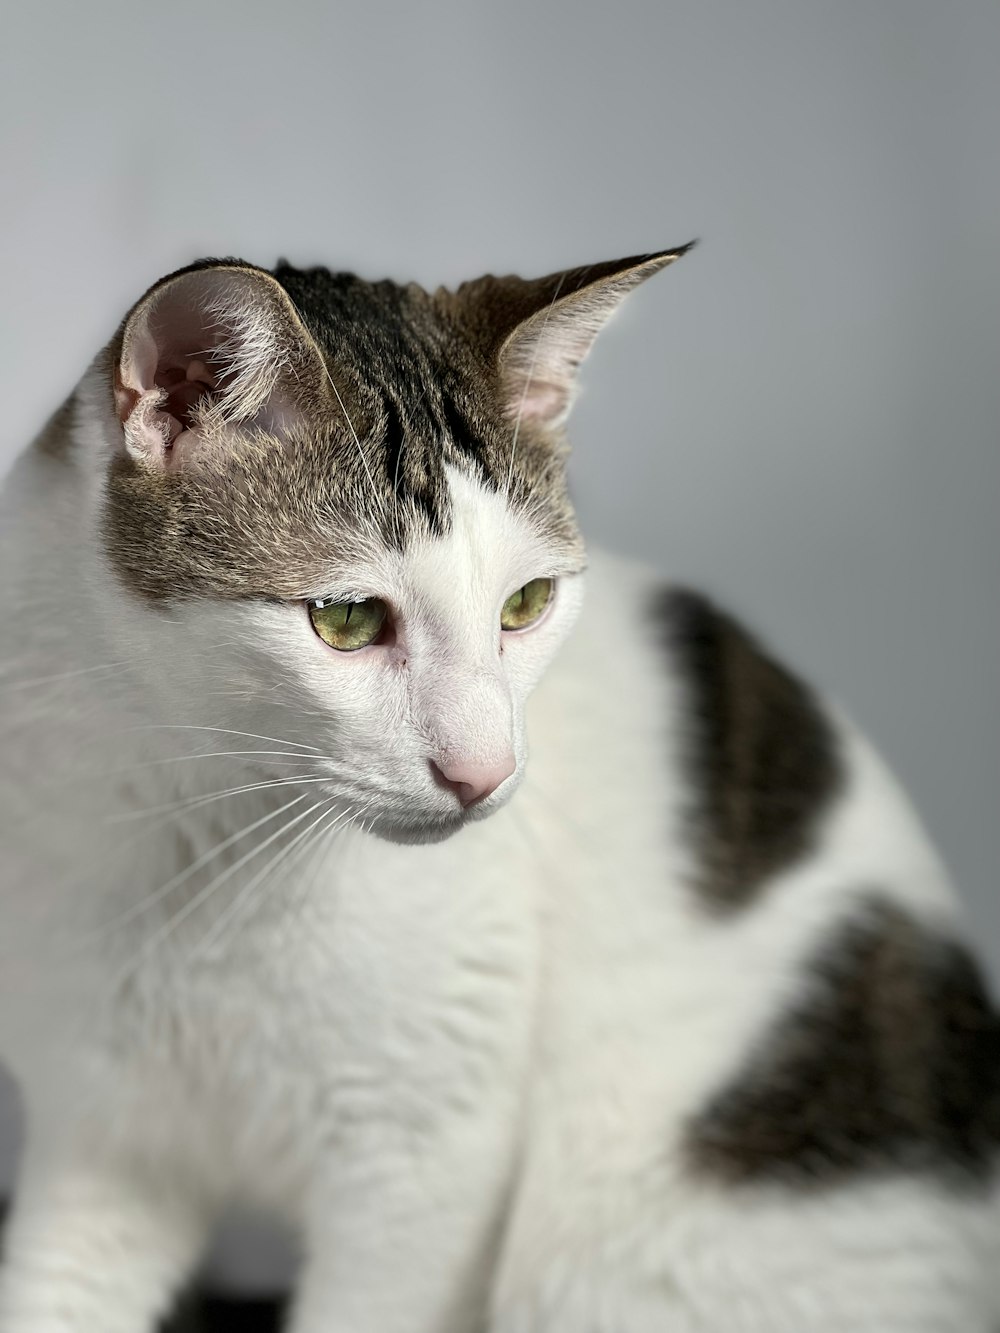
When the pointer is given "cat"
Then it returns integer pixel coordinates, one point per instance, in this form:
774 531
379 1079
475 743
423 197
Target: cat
668 1027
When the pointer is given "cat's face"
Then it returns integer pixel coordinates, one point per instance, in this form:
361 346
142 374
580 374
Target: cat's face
421 729
336 515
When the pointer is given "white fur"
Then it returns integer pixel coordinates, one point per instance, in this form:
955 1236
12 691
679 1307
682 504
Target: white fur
460 1069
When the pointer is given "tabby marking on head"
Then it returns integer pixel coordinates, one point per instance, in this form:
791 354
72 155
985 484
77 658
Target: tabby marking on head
277 421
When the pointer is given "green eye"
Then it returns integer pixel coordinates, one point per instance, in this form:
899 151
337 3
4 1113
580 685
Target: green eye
523 607
348 626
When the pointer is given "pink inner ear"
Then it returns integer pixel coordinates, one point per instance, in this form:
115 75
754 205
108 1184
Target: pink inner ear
164 375
540 403
542 367
215 337
185 385
158 418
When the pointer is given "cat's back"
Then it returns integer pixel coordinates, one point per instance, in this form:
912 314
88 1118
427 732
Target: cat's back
667 698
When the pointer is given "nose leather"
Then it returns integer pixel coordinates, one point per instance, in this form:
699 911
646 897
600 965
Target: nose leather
471 782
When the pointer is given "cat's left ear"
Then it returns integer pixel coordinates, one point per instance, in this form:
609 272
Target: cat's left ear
543 328
216 345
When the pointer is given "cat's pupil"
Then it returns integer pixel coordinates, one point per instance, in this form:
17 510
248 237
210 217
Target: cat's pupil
348 626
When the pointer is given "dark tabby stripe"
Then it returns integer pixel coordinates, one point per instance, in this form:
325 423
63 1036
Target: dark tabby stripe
762 757
890 1062
400 362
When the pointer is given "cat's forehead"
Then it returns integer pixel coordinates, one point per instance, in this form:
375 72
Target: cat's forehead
368 324
415 386
263 528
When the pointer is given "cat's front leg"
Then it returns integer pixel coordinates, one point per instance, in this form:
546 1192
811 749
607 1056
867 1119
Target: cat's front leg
402 1238
95 1247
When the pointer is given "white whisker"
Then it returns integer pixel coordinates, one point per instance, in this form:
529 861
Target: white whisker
246 895
228 731
196 802
160 936
59 676
182 876
322 841
285 759
357 441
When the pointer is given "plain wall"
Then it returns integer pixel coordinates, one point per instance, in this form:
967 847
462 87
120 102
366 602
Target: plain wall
801 417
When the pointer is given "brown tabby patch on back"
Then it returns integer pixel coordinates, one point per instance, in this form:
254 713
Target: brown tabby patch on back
889 1062
762 758
261 517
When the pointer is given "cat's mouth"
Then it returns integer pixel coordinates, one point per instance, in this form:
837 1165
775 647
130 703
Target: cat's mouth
412 828
431 815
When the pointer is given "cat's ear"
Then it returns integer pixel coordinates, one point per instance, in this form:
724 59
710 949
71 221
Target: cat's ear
542 329
213 346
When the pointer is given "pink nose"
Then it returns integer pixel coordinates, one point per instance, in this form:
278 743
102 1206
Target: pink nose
470 782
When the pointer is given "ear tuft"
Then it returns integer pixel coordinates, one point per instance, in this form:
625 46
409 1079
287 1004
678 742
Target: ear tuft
213 345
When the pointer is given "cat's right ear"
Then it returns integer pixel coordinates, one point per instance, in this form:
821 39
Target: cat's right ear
217 345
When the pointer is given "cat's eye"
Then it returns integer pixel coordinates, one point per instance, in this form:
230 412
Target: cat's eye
348 626
524 607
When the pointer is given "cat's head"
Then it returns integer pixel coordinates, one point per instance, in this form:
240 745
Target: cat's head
336 512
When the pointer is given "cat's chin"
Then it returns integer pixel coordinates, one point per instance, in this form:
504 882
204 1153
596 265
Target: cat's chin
415 834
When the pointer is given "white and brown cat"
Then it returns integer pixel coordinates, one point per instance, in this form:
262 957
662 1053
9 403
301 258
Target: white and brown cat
668 1027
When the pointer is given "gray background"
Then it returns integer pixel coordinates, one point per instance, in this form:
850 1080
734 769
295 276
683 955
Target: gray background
802 416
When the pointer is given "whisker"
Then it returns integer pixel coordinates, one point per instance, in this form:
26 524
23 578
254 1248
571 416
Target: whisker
140 654
196 802
357 441
160 936
250 735
245 897
176 811
59 676
182 876
322 841
206 754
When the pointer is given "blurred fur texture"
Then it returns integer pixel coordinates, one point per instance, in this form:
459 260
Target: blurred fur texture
674 1029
